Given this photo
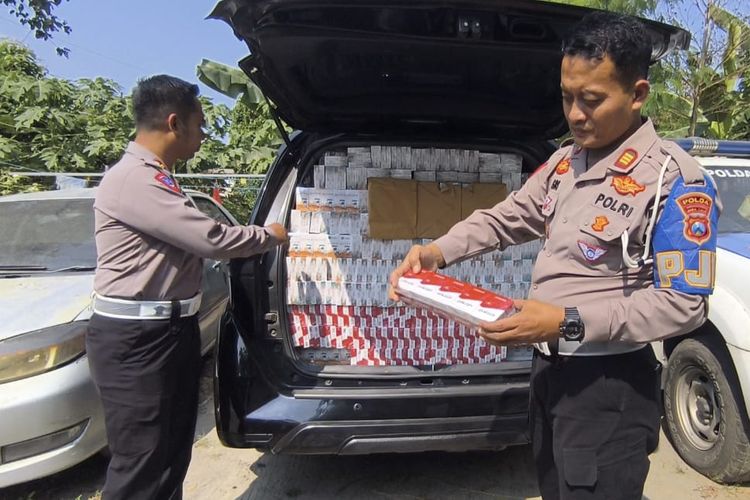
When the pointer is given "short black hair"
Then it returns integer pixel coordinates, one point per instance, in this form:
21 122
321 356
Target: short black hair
156 97
623 38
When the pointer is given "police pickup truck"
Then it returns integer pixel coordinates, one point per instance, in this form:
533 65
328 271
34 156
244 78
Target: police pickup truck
707 373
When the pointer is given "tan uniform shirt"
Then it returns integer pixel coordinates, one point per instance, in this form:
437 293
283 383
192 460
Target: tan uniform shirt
581 214
150 238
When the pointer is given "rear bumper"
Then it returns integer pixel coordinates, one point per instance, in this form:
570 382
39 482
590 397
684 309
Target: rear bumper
388 423
405 436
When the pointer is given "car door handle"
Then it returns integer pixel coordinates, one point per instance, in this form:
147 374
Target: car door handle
271 318
216 265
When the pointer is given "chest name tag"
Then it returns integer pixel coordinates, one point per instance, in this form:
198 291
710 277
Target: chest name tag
614 204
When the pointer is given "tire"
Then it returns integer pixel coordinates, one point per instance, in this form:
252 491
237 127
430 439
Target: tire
705 415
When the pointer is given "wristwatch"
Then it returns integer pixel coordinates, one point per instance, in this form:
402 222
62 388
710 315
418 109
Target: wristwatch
571 327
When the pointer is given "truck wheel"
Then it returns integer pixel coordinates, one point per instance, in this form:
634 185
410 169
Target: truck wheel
704 410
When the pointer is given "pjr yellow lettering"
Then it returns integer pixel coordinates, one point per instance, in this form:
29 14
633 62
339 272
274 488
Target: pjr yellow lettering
671 265
705 275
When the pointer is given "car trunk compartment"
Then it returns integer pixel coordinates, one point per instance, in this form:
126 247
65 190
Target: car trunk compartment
338 319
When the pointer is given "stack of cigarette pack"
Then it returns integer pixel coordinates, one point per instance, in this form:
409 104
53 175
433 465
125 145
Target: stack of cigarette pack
350 169
337 276
396 335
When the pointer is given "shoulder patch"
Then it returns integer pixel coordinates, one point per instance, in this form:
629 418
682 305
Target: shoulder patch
684 242
696 208
167 181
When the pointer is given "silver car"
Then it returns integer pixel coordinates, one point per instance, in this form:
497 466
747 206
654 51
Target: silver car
50 414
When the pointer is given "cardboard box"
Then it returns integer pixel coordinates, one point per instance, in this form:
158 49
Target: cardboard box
481 196
392 208
438 208
402 209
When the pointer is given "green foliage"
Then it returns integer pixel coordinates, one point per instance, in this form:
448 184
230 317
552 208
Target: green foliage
631 7
39 17
244 139
237 195
229 81
52 124
703 92
250 137
11 184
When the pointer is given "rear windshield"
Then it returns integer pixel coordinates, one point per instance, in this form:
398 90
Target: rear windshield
734 188
49 234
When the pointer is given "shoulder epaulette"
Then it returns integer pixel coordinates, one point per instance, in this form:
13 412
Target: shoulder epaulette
689 166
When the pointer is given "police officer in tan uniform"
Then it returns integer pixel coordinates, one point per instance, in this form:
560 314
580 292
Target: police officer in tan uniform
143 343
628 222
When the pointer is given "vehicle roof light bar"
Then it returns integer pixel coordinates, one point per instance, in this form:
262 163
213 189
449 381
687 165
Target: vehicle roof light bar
705 147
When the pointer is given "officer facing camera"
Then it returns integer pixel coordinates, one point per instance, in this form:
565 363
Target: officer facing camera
143 341
629 225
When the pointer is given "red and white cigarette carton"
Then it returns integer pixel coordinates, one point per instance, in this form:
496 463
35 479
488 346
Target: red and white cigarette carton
454 299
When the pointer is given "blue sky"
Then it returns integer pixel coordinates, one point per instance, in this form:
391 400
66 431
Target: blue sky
125 40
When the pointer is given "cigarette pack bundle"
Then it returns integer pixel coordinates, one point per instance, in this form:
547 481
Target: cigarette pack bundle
453 299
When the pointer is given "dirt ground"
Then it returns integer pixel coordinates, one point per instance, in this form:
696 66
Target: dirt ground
219 473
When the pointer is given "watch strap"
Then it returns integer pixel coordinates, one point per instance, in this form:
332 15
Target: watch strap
571 316
572 313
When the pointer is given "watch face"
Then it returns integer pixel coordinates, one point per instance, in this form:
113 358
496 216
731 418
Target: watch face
573 330
571 327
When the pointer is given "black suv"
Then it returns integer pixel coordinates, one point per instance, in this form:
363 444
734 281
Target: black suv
448 106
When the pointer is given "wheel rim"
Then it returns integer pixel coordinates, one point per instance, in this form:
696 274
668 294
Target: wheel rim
698 408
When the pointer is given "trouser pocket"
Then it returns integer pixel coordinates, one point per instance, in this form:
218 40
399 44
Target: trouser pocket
616 472
580 467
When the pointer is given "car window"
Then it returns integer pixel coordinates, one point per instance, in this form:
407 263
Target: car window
52 234
733 183
209 208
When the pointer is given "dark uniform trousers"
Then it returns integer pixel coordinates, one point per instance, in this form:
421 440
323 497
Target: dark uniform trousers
594 421
147 373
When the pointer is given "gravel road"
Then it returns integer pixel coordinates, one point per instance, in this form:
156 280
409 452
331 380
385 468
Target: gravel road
219 473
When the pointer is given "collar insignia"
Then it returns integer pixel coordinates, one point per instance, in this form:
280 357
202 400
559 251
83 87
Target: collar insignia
563 166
